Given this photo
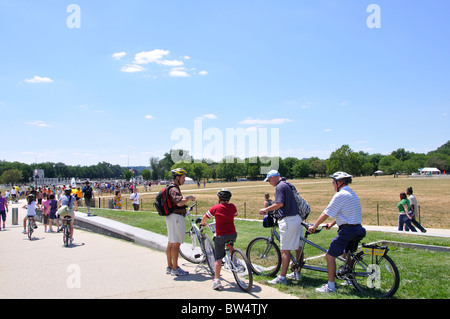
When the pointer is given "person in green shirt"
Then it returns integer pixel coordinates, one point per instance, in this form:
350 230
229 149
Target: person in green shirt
403 209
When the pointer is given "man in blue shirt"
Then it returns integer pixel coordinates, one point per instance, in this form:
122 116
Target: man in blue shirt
289 221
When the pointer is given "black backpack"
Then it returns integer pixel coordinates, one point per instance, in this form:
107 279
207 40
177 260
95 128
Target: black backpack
162 203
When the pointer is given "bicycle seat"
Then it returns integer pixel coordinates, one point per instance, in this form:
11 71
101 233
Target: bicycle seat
67 218
229 242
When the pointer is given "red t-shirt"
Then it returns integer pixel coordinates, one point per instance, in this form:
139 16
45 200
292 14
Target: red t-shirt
224 215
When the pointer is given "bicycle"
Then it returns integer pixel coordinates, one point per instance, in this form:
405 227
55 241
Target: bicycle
235 261
370 271
30 227
66 230
197 244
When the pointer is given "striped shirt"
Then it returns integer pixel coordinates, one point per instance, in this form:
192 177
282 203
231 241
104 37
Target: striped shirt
345 207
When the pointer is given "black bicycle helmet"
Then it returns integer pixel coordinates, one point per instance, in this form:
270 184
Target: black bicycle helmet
224 195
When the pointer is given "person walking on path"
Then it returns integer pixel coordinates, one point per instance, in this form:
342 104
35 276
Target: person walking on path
89 198
403 210
414 209
289 221
3 209
175 223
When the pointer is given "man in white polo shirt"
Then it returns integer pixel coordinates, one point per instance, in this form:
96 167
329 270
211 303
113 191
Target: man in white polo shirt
345 208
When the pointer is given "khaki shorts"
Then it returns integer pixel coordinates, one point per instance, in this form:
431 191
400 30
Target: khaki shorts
290 232
66 211
176 228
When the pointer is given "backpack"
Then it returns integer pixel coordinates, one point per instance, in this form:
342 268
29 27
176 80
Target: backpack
303 207
162 203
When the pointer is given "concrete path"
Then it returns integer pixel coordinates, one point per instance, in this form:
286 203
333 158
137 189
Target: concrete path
98 266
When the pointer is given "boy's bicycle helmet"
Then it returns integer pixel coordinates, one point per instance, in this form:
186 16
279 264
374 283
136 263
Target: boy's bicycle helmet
178 172
224 195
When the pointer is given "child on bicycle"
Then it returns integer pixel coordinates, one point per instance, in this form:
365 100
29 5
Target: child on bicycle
224 213
31 212
65 208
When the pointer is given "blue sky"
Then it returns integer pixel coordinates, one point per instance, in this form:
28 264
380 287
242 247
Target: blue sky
117 86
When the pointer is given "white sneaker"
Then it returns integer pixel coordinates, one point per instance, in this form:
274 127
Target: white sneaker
217 285
294 275
278 280
325 289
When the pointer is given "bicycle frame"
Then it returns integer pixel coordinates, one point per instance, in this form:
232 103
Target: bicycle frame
303 240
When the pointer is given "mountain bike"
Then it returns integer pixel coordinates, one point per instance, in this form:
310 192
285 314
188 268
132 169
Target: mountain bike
30 227
197 244
66 230
235 261
370 271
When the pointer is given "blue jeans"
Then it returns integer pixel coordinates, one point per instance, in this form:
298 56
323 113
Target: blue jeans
404 220
417 224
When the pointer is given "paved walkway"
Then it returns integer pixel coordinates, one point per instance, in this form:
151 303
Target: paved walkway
98 266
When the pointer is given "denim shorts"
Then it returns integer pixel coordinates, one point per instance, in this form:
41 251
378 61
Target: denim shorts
345 235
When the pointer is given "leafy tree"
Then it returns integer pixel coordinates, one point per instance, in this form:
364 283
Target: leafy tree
344 159
11 176
147 174
301 169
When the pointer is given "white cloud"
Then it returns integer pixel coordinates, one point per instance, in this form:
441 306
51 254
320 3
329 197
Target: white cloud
178 73
38 79
265 122
207 116
158 57
149 117
170 62
38 124
147 57
132 68
119 55
328 130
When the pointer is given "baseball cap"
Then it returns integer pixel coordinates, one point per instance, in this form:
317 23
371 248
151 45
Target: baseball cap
271 174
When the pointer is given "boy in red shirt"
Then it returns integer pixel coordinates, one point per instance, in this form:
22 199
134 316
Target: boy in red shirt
224 213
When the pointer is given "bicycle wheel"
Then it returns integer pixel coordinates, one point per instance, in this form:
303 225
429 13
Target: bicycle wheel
30 229
191 249
242 270
66 235
374 276
264 256
209 253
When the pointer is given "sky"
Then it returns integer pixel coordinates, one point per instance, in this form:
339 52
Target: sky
82 82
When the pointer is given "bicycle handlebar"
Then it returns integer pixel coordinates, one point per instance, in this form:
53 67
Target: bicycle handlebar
318 230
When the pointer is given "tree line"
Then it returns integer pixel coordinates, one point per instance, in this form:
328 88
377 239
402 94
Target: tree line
342 159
